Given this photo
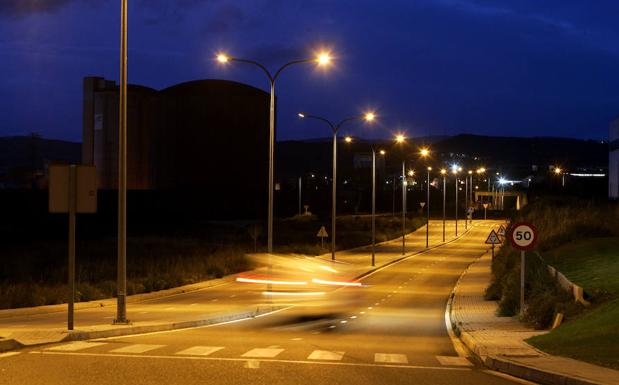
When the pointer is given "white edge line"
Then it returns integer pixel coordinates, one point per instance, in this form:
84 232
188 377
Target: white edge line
246 359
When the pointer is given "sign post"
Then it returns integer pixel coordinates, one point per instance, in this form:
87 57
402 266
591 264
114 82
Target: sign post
322 234
485 208
72 190
523 237
493 239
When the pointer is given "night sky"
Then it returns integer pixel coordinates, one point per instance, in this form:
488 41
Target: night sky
430 67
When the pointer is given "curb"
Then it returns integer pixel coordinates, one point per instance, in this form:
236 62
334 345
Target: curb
11 344
505 365
130 330
534 374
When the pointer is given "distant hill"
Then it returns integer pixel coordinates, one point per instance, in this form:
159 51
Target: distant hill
23 158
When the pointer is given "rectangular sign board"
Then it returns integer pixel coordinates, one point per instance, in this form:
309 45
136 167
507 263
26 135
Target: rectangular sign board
85 189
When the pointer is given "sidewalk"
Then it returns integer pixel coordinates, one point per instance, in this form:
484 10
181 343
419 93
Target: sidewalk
199 304
499 341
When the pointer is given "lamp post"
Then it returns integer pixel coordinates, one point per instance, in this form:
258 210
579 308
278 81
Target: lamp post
470 197
559 171
322 59
400 139
335 127
428 209
455 170
121 295
443 173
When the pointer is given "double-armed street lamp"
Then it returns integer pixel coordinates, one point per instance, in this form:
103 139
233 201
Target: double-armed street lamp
322 59
335 127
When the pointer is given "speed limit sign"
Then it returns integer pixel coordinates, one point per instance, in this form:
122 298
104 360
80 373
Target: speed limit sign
523 236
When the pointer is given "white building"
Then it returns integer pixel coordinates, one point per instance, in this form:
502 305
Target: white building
613 160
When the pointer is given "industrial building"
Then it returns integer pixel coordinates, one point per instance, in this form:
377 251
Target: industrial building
613 160
202 143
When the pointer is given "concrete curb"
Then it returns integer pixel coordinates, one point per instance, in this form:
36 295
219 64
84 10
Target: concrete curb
11 344
130 330
534 374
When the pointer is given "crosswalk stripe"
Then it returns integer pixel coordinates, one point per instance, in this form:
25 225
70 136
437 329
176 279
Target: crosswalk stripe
262 353
136 348
75 346
453 361
200 350
391 358
325 355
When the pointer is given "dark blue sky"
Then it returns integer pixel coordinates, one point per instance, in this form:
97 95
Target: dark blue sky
431 67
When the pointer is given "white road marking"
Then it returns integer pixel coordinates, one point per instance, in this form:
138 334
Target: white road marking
9 354
362 312
169 308
200 350
75 346
343 321
353 317
390 358
193 304
370 308
136 348
297 339
262 353
325 355
161 357
453 361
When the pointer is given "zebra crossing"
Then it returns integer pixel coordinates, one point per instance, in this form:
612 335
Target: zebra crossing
268 353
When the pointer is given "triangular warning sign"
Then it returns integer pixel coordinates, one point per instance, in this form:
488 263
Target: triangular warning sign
502 231
322 233
493 238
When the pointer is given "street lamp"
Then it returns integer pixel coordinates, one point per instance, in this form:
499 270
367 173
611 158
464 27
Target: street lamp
428 209
443 173
401 139
381 152
368 117
322 59
121 289
455 169
469 198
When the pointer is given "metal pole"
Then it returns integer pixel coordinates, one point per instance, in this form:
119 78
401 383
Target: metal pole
466 198
522 268
428 211
271 168
444 191
334 193
121 304
373 206
393 198
472 201
403 208
456 205
72 207
300 192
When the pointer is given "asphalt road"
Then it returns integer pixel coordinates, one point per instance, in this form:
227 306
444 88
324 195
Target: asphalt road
392 331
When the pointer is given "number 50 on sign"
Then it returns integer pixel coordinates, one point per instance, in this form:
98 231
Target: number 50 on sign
523 236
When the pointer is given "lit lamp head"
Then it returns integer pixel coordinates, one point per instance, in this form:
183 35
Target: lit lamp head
301 115
424 152
400 138
348 139
369 116
223 58
558 170
443 171
470 172
429 168
482 170
323 59
382 152
411 172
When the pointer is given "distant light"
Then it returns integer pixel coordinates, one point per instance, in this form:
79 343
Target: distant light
382 152
400 138
470 172
411 172
222 58
502 181
443 171
429 168
370 116
348 139
301 115
558 170
424 152
482 170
